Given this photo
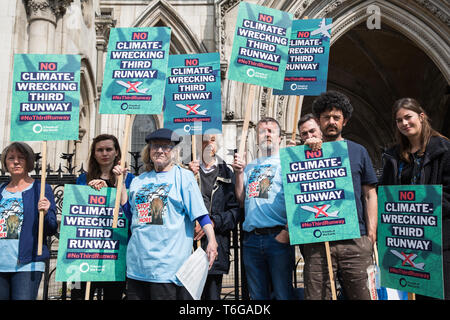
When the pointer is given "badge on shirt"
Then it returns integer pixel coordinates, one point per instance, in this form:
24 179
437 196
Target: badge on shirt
151 203
260 181
11 218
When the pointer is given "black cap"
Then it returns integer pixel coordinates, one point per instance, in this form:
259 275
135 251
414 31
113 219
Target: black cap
164 134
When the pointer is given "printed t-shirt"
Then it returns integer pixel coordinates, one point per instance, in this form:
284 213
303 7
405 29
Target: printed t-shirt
164 206
264 194
11 220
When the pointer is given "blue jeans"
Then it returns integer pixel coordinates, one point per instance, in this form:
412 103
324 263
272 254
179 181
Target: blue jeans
19 285
268 265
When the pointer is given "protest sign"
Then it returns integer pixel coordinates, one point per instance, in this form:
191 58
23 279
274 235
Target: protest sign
135 71
260 46
319 195
89 248
410 238
307 66
46 97
193 94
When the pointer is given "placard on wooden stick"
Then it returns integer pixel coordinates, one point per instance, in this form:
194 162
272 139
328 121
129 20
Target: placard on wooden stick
134 78
259 63
45 106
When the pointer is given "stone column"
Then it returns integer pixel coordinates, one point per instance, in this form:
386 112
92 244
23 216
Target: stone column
42 19
43 15
103 25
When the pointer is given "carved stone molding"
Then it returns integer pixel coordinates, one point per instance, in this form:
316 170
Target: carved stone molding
222 9
436 9
103 25
46 9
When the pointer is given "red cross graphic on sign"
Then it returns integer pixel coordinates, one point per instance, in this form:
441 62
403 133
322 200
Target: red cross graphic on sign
132 86
407 258
320 211
192 109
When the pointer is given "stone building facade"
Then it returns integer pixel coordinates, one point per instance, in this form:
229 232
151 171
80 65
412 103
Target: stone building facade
380 51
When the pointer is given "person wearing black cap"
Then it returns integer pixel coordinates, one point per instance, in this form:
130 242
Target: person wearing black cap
163 205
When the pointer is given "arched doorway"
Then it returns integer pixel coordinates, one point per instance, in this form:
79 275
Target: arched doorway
407 56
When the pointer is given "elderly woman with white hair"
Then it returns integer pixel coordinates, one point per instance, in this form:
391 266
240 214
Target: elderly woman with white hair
164 203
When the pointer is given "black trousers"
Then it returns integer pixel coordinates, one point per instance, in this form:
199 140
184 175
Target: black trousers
213 287
142 290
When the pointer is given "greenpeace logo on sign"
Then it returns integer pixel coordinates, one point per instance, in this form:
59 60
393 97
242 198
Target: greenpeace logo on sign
252 73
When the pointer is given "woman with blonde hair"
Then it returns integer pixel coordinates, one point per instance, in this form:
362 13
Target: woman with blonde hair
421 155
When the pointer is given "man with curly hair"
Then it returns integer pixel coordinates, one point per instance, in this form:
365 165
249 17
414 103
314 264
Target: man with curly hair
350 258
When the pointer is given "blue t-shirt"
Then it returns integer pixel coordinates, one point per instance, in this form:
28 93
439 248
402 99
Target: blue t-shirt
362 174
264 194
11 220
164 206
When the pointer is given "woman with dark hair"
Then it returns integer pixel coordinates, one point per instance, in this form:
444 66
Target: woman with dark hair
421 156
20 267
104 154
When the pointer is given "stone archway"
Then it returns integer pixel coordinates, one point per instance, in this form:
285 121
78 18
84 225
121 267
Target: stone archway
407 56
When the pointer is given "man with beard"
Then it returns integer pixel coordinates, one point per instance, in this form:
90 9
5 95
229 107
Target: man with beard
267 254
350 258
217 187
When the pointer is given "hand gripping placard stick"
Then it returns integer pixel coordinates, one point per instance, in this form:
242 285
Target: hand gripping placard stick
122 164
42 195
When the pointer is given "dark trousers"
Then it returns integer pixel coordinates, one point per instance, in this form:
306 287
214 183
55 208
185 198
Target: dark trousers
111 290
213 287
142 290
19 285
350 257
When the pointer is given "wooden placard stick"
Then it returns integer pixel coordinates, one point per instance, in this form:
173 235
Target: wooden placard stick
88 290
297 112
197 176
375 252
122 164
248 112
42 195
330 270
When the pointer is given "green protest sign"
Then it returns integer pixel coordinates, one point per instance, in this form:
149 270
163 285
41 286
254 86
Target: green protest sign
46 97
135 71
89 248
260 46
319 195
410 238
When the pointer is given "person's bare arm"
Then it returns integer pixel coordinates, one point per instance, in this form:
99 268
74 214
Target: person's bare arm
371 214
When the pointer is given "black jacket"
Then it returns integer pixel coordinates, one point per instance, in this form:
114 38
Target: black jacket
225 212
435 170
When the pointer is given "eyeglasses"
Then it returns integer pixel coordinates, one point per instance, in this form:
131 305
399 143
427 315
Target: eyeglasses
164 147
